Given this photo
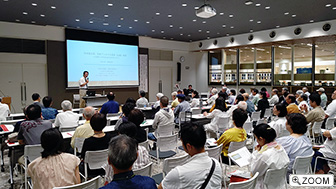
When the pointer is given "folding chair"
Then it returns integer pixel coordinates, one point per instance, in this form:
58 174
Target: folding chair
92 184
222 125
248 184
31 152
317 132
75 100
165 130
255 116
78 145
184 117
94 160
215 153
325 158
144 171
233 147
302 165
275 178
330 123
164 147
268 113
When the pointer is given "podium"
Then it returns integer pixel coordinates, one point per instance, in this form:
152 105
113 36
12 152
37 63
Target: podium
7 100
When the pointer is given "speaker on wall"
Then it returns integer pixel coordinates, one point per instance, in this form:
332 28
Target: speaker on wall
326 27
178 71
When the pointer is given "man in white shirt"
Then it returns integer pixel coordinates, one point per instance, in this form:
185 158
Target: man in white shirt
142 101
83 88
331 108
211 101
67 118
275 97
194 173
4 111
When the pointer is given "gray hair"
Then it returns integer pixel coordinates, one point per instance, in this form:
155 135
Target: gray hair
214 91
66 105
299 92
242 105
122 152
159 95
88 112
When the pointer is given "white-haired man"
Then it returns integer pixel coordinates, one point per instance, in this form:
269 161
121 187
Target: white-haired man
157 103
67 117
211 101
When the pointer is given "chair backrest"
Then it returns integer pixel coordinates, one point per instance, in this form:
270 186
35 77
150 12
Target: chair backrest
67 128
165 130
275 178
317 127
144 171
215 152
268 112
96 159
255 116
185 116
260 121
236 146
166 143
31 152
145 144
330 123
302 164
91 184
248 127
171 163
248 184
196 111
78 145
76 97
223 123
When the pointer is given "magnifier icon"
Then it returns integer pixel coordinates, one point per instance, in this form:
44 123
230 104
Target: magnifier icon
295 179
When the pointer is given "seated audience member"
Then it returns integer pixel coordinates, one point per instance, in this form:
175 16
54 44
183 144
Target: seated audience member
219 111
242 91
37 100
98 141
220 94
130 100
232 97
323 96
317 113
85 130
328 151
4 111
303 102
331 108
239 99
182 107
226 91
195 99
194 173
262 104
284 92
297 96
279 122
236 134
275 98
110 106
263 89
179 91
48 112
175 101
157 103
164 117
250 106
256 97
126 109
190 89
268 154
292 107
54 168
67 117
137 117
242 105
142 101
305 91
186 93
214 96
296 144
122 155
30 130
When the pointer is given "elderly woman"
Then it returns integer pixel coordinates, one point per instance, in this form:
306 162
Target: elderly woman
296 144
279 122
54 168
268 154
67 117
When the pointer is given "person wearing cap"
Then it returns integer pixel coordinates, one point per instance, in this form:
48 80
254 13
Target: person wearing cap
182 107
323 97
157 103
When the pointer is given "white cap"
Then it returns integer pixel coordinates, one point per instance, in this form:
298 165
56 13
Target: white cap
320 90
159 95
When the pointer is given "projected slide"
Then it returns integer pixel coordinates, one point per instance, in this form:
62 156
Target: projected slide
108 64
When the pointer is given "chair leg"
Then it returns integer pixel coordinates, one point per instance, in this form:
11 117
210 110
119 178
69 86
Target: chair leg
85 172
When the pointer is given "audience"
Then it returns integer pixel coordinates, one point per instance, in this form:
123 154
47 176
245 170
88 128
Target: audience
323 97
274 99
4 111
110 106
292 107
306 92
195 99
157 103
316 114
303 103
239 99
211 100
122 155
235 134
137 117
142 101
279 122
85 130
183 106
331 108
37 100
130 100
255 95
67 117
190 89
242 91
48 112
54 168
262 104
232 97
219 111
268 154
175 101
200 166
263 89
297 96
30 130
126 109
297 143
284 93
250 105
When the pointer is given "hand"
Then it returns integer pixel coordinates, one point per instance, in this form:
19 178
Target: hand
205 113
327 134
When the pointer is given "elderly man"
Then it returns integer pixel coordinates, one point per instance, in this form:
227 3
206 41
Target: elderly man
175 100
142 101
292 107
200 169
84 131
157 103
67 117
182 107
284 92
212 100
111 106
323 97
317 114
305 91
4 111
122 153
275 98
297 96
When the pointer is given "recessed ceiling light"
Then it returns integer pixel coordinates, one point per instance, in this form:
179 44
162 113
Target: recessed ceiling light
222 13
232 27
130 27
208 37
194 20
105 24
157 13
126 8
251 20
91 22
164 37
180 27
258 5
170 26
53 7
162 31
181 33
25 13
328 5
135 20
121 18
169 15
184 4
248 2
208 31
223 25
251 31
259 22
227 34
294 15
119 26
17 20
171 38
110 4
189 35
311 21
196 8
277 26
147 22
286 13
204 22
34 4
231 15
77 20
199 30
33 22
65 25
106 15
78 27
153 30
334 8
5 0
267 8
42 15
92 13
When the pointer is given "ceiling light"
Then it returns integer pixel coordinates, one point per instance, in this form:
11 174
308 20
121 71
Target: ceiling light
65 25
135 20
53 7
119 26
258 5
294 15
164 37
184 4
130 27
194 20
251 31
248 2
181 27
17 20
206 11
77 20
328 5
121 18
92 13
232 27
267 8
105 24
199 30
162 31
286 13
34 4
208 37
153 30
204 22
259 22
33 22
169 15
223 25
42 15
208 31
251 20
311 21
126 8
334 8
277 26
147 22
189 35
91 22
157 14
110 4
231 15
196 8
25 13
170 26
222 13
227 34
181 34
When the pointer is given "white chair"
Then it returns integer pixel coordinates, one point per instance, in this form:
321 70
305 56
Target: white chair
275 178
255 116
325 158
317 132
31 152
302 164
268 113
248 127
165 130
144 171
94 160
91 184
78 145
222 124
248 184
233 147
75 100
184 117
112 114
196 111
215 153
145 144
330 123
67 128
164 147
260 121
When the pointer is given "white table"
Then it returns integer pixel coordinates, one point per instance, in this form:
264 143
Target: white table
198 116
147 123
145 108
69 134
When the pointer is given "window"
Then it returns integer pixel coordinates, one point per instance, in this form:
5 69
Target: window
282 64
215 67
264 64
246 66
325 63
303 64
230 66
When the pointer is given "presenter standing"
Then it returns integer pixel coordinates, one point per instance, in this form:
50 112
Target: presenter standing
83 88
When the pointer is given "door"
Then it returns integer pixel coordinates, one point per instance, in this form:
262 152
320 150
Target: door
160 80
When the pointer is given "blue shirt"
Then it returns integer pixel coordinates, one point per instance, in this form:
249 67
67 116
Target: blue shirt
49 113
110 107
250 107
128 180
